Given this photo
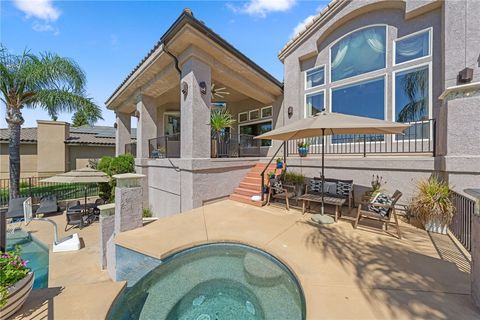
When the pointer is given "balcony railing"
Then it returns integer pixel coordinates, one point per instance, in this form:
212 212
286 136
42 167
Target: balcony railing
232 145
131 148
461 225
419 138
164 147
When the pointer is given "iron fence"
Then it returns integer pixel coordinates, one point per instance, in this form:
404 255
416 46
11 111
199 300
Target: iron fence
461 225
233 145
131 148
419 138
35 188
165 146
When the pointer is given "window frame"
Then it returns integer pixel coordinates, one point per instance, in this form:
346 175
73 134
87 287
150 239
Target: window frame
261 112
430 47
353 78
257 122
250 117
430 98
311 94
385 102
324 66
242 113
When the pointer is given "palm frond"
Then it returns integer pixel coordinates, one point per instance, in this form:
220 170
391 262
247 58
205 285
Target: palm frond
60 100
220 119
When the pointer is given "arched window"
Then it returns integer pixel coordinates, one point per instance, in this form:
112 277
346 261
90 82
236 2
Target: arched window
359 52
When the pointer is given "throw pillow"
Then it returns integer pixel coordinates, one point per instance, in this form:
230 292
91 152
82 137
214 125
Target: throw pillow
344 188
381 199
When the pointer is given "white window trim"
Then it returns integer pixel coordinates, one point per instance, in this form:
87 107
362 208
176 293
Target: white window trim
324 66
430 98
256 122
430 47
311 94
261 112
250 112
242 113
363 74
385 101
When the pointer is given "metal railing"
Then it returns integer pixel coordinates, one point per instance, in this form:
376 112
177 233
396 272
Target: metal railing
461 225
262 174
232 145
131 148
35 188
164 147
419 138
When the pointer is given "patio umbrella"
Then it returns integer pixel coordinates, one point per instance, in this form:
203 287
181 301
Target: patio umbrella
83 176
330 123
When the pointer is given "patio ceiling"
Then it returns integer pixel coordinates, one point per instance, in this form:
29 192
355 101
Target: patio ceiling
187 38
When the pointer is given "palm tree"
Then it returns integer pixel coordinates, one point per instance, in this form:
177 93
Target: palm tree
221 119
47 81
86 116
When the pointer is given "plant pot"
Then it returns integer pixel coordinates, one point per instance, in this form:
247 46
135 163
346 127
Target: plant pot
17 294
302 152
435 226
279 165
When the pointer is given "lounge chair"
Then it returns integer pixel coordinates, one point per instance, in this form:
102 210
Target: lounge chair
276 190
48 204
381 208
15 208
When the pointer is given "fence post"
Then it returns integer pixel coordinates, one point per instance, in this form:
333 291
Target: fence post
364 145
30 187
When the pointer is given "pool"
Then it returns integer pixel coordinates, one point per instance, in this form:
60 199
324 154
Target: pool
35 252
213 282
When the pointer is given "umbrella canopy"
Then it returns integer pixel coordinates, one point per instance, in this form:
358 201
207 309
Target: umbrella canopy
84 175
330 123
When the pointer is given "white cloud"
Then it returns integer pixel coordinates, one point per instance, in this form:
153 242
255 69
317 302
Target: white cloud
45 27
302 25
41 9
261 8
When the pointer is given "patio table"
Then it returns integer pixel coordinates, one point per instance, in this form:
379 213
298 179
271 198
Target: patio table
337 202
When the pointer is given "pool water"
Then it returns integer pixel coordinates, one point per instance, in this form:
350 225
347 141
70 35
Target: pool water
214 282
35 252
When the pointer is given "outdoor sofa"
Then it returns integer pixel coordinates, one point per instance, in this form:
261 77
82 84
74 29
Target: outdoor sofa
335 188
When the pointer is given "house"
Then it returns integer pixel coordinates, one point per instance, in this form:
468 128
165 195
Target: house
54 147
408 61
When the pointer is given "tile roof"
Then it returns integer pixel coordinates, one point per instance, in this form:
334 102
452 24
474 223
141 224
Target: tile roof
93 135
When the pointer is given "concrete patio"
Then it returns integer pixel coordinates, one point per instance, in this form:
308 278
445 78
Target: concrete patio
345 273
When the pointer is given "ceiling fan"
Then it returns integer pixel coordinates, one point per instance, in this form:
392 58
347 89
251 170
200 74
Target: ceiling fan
218 93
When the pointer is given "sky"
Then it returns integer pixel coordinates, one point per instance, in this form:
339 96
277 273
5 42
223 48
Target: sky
108 38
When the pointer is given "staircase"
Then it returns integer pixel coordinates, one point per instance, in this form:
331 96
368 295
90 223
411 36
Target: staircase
251 185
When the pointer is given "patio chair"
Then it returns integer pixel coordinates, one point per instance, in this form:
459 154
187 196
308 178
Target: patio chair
75 218
381 208
276 190
48 204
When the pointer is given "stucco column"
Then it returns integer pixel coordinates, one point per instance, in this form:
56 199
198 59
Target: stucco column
123 133
147 124
195 109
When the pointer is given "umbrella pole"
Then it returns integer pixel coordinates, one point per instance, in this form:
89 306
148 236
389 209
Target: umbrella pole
85 205
322 218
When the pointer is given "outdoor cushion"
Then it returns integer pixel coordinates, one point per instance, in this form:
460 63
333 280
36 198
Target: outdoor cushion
48 204
344 188
381 198
315 185
15 208
276 184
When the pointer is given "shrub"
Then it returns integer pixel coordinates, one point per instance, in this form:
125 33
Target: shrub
432 201
294 178
147 213
12 269
124 163
104 164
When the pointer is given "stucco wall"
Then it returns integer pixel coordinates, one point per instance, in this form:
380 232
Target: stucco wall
78 156
28 160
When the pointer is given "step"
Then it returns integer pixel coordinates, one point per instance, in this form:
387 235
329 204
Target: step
254 174
245 199
246 191
251 186
257 180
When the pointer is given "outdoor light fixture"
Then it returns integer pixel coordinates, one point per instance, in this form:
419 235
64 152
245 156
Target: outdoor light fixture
136 114
466 75
184 89
290 112
115 125
203 87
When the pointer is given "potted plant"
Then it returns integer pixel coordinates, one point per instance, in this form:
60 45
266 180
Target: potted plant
303 148
297 180
279 163
377 184
432 205
219 120
16 282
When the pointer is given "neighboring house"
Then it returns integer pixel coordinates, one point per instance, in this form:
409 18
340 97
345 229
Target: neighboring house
395 60
54 147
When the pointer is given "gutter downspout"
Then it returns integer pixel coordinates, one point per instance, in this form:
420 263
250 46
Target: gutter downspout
165 49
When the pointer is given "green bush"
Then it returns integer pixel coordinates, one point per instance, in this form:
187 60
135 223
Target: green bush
147 213
293 178
124 163
104 164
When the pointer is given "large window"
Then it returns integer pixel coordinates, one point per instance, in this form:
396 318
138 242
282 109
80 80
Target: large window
315 102
365 99
412 47
256 129
314 77
359 52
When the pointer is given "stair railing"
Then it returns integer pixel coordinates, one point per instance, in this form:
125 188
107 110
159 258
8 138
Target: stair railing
283 145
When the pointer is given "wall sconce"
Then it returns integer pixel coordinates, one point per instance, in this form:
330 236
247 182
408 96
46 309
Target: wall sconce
203 87
136 114
465 76
290 112
184 89
115 125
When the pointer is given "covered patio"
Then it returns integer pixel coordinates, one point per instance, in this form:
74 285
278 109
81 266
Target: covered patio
343 271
